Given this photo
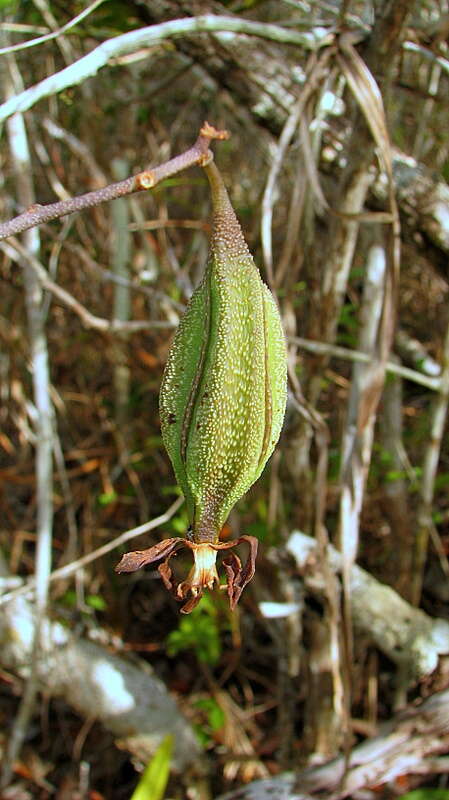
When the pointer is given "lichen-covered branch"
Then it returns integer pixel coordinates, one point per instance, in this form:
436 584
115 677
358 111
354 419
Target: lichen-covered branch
130 42
126 697
405 745
408 636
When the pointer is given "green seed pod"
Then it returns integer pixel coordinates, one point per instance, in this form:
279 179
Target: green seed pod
223 396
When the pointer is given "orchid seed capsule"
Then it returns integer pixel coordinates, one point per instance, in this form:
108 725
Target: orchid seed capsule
222 403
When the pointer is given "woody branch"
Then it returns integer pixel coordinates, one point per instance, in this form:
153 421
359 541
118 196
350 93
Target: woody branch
37 214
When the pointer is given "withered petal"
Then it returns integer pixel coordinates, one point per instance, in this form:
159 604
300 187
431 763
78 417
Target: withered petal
226 545
166 573
250 565
232 565
130 562
237 576
192 602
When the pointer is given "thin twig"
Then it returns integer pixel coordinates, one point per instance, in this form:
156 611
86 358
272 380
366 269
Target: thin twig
80 150
15 251
72 526
323 348
20 155
49 18
54 34
358 433
438 417
120 252
105 275
278 159
74 566
413 47
37 214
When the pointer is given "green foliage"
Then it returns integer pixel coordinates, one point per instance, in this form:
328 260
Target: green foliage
334 463
94 601
347 326
106 498
259 529
110 18
180 523
411 475
154 779
200 632
442 480
382 469
445 171
245 5
427 794
300 294
215 719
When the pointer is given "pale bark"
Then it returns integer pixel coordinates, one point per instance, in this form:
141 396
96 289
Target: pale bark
425 528
120 245
102 55
43 424
409 637
125 697
367 380
405 745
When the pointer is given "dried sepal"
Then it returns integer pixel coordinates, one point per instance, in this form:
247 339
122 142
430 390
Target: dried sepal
203 574
130 562
237 576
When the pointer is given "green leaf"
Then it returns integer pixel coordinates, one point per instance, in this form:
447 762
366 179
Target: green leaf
215 714
96 601
427 794
154 779
180 523
106 498
199 632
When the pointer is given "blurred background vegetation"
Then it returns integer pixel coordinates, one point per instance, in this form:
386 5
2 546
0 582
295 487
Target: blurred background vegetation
328 174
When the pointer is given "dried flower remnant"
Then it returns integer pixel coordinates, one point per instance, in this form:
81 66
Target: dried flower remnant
204 571
222 404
